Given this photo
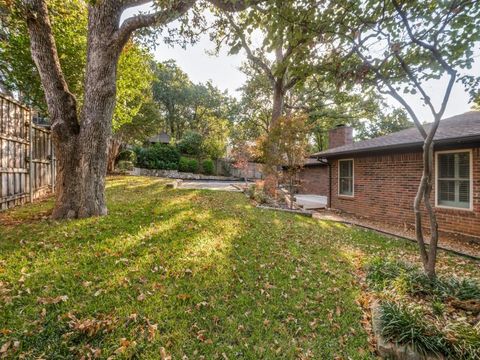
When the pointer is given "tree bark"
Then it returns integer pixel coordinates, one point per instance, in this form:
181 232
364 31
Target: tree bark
278 101
80 139
114 147
424 192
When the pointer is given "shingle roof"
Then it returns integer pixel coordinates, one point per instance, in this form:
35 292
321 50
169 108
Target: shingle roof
163 138
313 162
454 129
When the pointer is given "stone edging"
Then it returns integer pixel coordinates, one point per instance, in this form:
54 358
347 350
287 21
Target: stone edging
391 350
293 211
175 174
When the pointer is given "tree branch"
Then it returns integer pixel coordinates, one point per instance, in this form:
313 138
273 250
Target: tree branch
434 50
394 93
254 59
234 5
161 17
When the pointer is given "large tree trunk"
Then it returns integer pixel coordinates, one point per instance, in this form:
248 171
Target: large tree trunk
271 169
278 101
80 139
87 192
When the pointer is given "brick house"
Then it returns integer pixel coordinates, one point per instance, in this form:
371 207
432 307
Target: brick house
378 178
314 177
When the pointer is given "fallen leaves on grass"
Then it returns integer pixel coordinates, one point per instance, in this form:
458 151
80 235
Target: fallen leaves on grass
52 300
164 355
125 345
91 326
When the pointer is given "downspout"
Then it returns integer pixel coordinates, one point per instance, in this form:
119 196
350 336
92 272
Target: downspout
325 161
329 185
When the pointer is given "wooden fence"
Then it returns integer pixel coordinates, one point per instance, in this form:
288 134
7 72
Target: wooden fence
27 160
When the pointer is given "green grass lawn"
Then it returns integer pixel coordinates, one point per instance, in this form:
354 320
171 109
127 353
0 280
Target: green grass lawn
201 274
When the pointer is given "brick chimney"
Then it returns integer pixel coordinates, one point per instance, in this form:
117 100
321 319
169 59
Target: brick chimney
339 136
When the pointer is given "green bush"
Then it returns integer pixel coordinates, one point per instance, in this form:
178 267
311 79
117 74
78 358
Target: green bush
193 165
183 164
158 156
188 165
190 144
208 167
124 165
127 155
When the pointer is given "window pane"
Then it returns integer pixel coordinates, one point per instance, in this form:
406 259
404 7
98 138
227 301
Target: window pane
346 186
345 168
447 165
346 177
463 165
464 191
454 192
446 191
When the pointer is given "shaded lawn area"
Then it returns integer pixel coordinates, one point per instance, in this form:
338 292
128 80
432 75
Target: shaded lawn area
198 273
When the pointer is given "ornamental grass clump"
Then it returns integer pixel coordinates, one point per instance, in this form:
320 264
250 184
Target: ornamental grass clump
407 326
434 316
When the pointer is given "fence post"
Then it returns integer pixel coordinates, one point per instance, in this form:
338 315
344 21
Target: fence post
52 161
30 156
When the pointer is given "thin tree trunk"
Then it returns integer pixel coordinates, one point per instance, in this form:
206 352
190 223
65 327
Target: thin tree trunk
114 147
424 193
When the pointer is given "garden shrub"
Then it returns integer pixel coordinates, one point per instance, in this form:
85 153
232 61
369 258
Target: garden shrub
183 164
127 155
208 167
158 156
255 192
381 272
193 165
465 341
188 165
462 289
190 144
124 165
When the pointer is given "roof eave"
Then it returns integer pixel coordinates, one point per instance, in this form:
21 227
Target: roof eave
412 146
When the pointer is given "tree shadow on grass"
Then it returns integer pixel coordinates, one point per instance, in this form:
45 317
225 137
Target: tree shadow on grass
217 275
231 280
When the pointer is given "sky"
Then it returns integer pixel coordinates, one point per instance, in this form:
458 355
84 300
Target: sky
223 71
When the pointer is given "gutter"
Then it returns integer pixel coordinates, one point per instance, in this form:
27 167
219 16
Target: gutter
410 146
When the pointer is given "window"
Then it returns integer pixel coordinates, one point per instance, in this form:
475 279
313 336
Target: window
345 177
454 179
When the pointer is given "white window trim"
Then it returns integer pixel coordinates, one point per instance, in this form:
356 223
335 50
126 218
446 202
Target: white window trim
353 179
471 179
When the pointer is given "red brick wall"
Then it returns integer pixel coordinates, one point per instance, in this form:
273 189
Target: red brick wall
339 136
385 187
314 180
